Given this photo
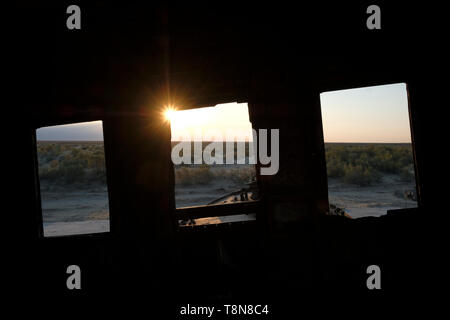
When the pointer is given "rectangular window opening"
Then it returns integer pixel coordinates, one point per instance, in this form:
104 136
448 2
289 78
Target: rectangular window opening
214 161
368 149
72 179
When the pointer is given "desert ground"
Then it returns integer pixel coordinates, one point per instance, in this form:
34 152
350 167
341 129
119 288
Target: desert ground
68 211
86 211
363 180
372 200
215 181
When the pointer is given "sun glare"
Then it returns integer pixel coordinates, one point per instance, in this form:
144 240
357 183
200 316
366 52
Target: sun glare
169 114
208 123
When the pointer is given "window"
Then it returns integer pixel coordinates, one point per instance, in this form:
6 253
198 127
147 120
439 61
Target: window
213 160
72 178
368 150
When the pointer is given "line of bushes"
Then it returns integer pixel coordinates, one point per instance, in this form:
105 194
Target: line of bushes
366 164
204 174
352 163
71 163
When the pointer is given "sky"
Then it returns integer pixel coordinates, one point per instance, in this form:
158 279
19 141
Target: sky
83 131
372 114
215 122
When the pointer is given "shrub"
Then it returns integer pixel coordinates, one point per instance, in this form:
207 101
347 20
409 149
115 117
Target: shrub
193 175
72 171
364 164
335 169
202 174
361 176
243 175
407 173
71 163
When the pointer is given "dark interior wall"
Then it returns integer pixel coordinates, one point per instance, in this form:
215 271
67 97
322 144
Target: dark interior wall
128 61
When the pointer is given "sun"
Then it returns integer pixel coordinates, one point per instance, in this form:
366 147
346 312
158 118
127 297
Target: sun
169 114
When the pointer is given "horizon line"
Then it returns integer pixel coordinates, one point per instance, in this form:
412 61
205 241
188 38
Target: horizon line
324 141
81 140
69 140
385 142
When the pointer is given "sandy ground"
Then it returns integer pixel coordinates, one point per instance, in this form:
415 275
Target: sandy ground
81 211
370 200
195 195
76 211
75 227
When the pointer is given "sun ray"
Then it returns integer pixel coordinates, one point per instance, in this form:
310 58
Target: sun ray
169 113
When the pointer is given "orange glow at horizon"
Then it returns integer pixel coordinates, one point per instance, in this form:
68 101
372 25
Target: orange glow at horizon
210 123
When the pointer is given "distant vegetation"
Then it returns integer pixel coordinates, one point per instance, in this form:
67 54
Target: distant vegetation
204 174
365 164
71 162
360 164
224 149
186 175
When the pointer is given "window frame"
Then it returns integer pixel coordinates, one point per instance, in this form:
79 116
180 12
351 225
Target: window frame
223 210
37 193
411 131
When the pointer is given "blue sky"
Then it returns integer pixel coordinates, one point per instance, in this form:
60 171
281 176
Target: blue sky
371 114
85 131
